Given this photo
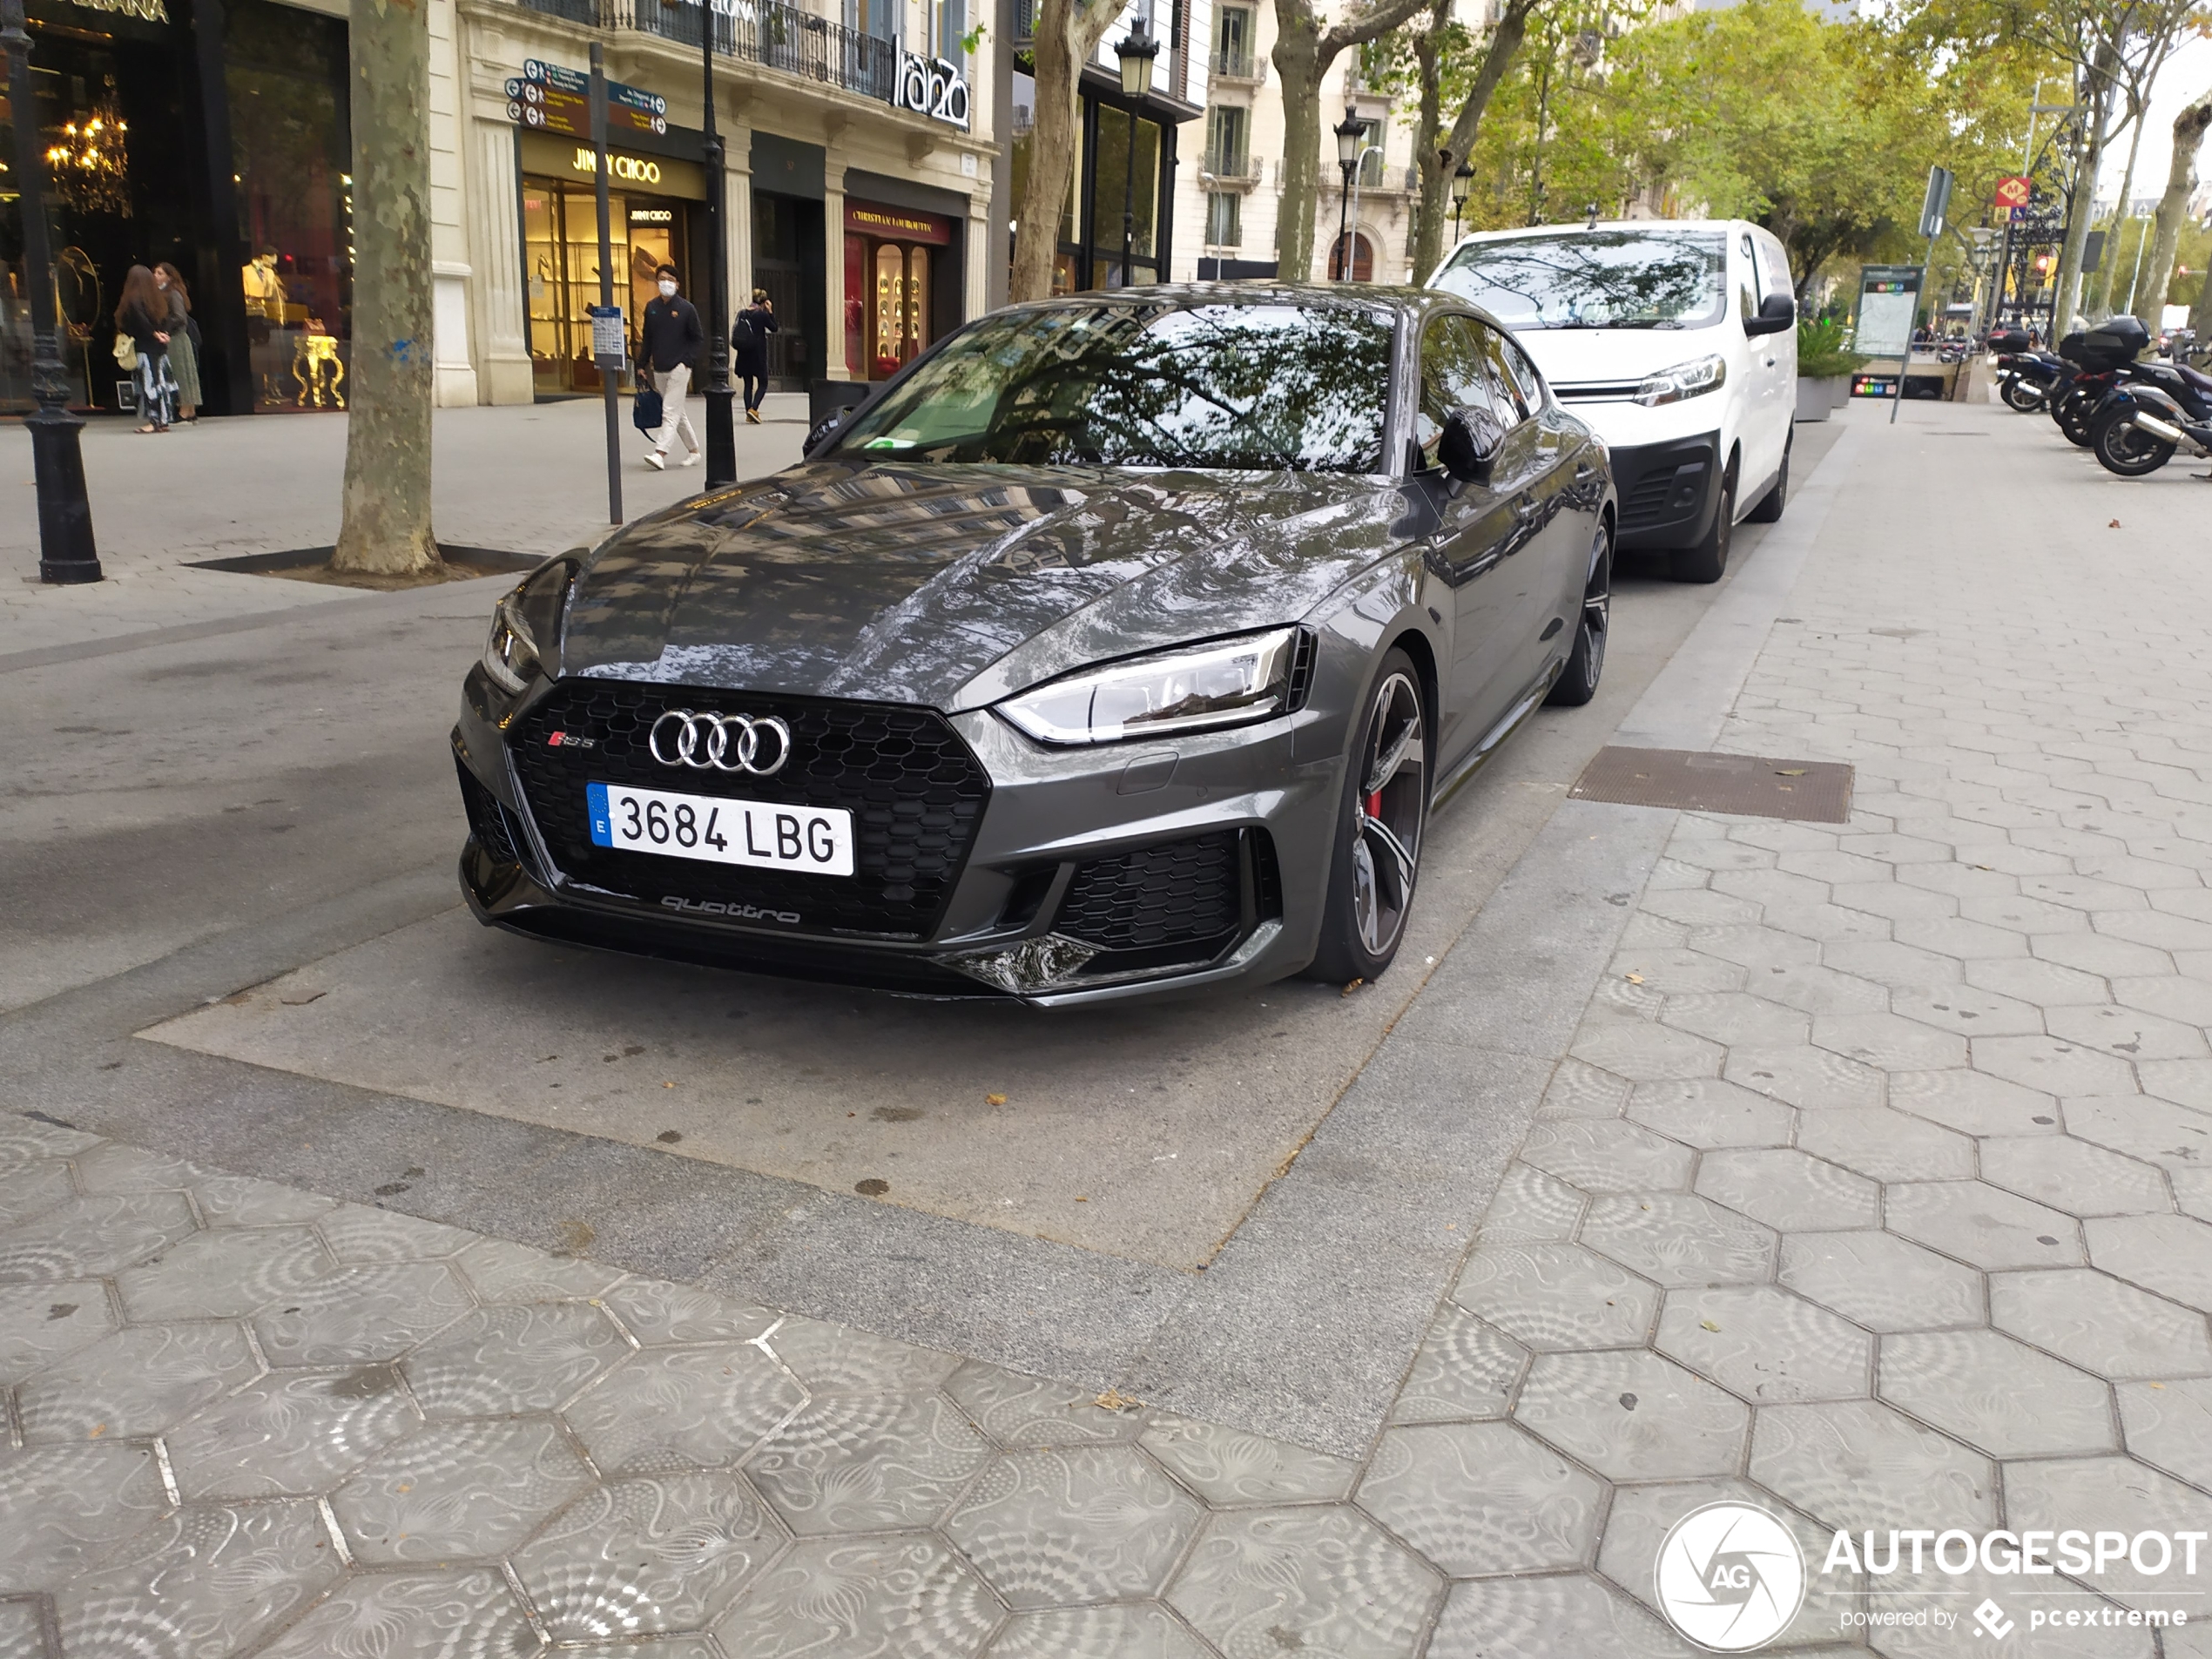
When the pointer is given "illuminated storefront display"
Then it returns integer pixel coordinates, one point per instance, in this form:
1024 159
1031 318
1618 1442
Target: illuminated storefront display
890 259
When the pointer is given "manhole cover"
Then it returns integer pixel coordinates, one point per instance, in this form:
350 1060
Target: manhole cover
1817 791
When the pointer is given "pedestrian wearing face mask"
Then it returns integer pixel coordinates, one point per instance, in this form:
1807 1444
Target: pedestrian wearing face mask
671 338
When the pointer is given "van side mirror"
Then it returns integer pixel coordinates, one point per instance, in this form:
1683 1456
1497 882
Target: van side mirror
1469 443
1777 312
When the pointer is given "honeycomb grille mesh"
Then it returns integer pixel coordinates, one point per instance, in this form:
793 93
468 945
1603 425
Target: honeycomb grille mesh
915 792
1170 894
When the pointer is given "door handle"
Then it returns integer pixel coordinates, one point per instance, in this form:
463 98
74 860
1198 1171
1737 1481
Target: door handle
1770 363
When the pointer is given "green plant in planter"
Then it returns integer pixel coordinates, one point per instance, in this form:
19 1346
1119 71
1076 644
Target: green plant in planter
1821 351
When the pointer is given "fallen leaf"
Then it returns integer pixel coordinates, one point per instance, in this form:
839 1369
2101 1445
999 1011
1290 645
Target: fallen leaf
1081 1199
302 1001
1791 772
1114 1401
994 1100
2114 525
1636 979
1708 1325
1352 987
668 1085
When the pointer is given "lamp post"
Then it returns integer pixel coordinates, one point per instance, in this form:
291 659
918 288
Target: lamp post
721 423
66 549
1350 132
1462 182
1136 52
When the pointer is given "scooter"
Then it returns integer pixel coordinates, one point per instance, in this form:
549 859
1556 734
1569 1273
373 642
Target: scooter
2159 409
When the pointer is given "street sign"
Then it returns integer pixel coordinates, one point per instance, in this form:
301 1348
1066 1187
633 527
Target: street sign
1936 203
2015 194
610 342
549 99
1887 297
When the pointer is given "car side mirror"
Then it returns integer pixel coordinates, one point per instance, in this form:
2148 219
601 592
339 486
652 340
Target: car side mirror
1777 312
823 430
1470 442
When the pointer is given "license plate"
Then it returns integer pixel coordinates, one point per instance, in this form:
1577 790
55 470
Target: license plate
814 840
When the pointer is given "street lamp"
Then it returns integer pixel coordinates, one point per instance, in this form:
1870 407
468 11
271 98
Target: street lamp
66 549
1136 52
1349 132
721 420
1462 182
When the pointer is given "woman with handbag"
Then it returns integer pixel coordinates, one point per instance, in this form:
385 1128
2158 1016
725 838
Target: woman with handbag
142 330
184 341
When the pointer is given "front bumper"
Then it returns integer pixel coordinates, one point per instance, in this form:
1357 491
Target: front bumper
1668 491
1067 876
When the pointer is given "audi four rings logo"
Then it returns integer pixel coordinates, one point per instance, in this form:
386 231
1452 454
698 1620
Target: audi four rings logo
725 742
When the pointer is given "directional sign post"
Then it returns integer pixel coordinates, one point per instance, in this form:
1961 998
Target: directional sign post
608 377
548 99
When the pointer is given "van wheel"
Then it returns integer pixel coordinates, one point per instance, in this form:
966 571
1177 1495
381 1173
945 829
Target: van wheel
1708 560
1770 505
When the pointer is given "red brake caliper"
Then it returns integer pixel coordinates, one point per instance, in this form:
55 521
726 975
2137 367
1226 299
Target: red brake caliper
1375 805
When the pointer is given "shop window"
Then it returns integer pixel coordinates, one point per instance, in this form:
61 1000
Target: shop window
1223 228
561 260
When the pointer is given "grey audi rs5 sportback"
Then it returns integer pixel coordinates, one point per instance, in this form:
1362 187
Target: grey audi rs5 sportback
1121 644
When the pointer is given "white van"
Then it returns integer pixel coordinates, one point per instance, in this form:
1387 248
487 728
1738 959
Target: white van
1676 340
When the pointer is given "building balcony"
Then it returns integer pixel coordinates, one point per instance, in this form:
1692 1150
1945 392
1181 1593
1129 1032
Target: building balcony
1241 67
1229 167
766 32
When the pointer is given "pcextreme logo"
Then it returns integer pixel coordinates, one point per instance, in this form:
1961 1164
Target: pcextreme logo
1730 1577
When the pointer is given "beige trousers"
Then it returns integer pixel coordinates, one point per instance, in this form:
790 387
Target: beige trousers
674 420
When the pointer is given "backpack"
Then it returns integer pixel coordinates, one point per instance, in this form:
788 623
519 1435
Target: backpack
743 336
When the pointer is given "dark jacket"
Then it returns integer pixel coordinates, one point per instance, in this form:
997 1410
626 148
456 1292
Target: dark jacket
753 359
137 322
671 333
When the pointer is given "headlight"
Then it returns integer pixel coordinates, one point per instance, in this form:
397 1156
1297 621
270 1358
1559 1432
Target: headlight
1231 683
527 625
1693 379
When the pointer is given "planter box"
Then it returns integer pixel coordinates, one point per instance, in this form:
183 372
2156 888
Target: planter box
1838 390
1815 400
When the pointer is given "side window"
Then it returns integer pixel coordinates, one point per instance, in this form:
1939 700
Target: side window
1453 375
1520 394
1748 286
1774 266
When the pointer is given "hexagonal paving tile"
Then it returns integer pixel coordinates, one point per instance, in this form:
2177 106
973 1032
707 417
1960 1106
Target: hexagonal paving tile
457 1491
360 1233
1465 1370
2053 1066
41 1323
242 1201
2171 1255
1528 1618
1607 1156
1886 962
836 1358
92 1237
1483 1498
1086 1523
1530 1206
1680 1240
1227 1466
1881 1281
62 1507
1858 1464
1996 1395
224 1274
1676 972
134 1383
2129 1033
209 1579
1706 1112
2107 1493
360 1314
1804 1075
658 1313
30 1190
1889 1041
1735 1017
1766 1345
1580 1090
1020 1411
868 1462
2156 1131
1974 1102
1632 1415
1818 989
467 1612
1326 1578
501 1271
1968 1011
670 1409
1556 1296
1979 1224
113 1167
291 1434
1142 1630
905 1596
1753 946
2072 1176
2170 1425
521 1357
1642 1053
2046 985
647 1557
2169 995
1886 1145
2101 1323
1788 1189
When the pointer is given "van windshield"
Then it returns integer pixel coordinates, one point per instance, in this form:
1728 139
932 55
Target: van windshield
1608 279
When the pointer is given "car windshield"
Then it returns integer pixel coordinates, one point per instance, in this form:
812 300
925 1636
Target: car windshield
1252 388
1596 279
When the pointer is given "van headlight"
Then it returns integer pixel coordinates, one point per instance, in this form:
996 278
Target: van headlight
526 625
1233 682
1692 379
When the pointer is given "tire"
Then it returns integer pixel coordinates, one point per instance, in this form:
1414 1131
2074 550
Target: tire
1376 864
2022 396
1577 682
2073 419
2121 447
1708 560
1768 509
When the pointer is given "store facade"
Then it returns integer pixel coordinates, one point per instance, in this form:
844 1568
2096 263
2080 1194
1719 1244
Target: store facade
212 135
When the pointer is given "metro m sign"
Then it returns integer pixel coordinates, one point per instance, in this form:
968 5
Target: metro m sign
2014 192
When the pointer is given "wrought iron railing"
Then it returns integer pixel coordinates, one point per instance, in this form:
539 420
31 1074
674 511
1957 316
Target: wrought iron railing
1230 164
766 32
1238 66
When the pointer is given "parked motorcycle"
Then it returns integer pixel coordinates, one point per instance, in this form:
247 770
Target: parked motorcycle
2024 374
2161 408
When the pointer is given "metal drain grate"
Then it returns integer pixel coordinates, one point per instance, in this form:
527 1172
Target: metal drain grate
1817 791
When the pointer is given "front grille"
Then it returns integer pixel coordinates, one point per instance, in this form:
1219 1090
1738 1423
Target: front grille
915 792
1648 501
1596 391
1170 894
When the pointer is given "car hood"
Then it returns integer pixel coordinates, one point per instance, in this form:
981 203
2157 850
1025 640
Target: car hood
1569 356
956 585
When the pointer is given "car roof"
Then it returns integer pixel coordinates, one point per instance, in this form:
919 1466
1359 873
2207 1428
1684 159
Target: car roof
1580 226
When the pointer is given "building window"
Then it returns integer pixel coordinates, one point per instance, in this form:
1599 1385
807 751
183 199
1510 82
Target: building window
1228 127
1371 161
1224 221
952 25
1232 42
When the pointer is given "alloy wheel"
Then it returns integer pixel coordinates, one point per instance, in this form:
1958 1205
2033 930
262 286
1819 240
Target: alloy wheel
1393 800
1597 617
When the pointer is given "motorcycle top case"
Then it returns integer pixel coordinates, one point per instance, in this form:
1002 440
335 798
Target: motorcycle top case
2012 339
2112 343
